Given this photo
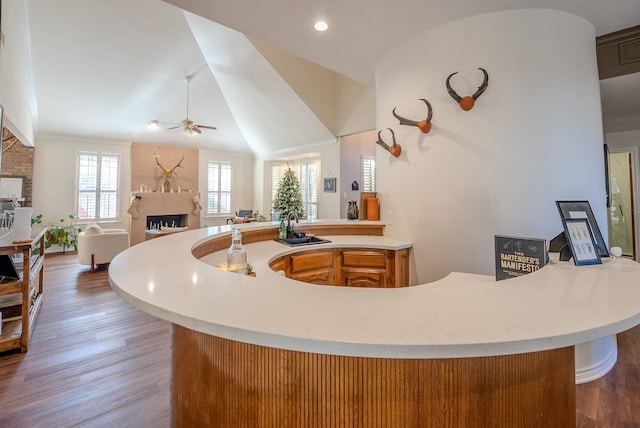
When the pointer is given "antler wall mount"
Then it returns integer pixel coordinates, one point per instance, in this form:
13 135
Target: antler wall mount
466 103
167 173
395 148
423 125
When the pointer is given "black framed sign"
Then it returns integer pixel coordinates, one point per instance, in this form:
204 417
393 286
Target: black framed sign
330 184
582 209
580 239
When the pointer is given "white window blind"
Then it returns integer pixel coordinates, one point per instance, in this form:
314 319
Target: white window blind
218 188
277 172
98 186
368 174
308 173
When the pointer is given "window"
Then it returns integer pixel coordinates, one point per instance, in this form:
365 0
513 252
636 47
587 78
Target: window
277 172
307 172
368 174
97 184
219 188
308 176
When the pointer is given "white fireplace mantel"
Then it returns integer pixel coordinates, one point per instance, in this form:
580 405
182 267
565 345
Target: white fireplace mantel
156 204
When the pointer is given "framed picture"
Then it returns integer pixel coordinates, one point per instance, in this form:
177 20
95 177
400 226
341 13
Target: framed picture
330 184
11 187
582 209
580 239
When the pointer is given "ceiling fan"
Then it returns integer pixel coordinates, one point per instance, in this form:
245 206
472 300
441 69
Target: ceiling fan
188 126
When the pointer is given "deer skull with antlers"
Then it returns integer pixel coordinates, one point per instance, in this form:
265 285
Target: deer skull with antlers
167 173
466 103
423 125
395 149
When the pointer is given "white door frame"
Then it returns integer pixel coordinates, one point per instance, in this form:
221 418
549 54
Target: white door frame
635 167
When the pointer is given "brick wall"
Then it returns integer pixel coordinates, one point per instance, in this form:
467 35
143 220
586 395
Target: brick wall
17 161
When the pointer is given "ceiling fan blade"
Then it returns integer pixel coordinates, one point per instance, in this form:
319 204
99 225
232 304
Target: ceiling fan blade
174 127
206 127
197 130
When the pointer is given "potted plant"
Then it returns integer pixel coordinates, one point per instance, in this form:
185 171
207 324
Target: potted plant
250 271
63 233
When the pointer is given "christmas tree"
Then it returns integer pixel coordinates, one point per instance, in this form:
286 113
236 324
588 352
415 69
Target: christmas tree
289 197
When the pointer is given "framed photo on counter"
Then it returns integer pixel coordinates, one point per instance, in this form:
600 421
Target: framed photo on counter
582 209
580 239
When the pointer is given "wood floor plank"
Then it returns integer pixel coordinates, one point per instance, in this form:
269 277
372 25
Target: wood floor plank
95 361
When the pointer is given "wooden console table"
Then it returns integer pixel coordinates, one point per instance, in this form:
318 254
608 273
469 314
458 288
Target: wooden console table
27 290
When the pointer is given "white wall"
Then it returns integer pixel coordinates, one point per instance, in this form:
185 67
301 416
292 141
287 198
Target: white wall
534 137
625 139
356 107
55 170
352 148
54 176
15 86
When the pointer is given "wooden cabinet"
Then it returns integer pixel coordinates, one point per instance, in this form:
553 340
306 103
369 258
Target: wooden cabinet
365 268
277 264
27 291
351 267
315 267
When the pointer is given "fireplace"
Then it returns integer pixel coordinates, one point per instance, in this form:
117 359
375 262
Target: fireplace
166 220
169 209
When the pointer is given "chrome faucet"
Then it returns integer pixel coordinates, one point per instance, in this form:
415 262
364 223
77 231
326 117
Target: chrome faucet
289 227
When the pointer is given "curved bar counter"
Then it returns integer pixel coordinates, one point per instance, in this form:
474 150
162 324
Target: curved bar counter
464 350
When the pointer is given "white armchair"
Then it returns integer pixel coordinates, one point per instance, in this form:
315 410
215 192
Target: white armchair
99 246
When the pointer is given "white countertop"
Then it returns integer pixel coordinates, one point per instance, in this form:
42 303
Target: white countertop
462 315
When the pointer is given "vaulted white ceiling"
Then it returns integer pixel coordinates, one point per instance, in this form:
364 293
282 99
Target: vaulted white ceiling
104 69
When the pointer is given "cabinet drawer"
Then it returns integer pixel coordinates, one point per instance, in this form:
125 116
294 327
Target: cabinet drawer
365 258
312 260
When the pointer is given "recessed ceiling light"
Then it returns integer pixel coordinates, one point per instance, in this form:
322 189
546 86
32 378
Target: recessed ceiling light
321 26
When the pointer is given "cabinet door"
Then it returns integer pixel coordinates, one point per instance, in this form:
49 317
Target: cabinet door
277 264
358 277
315 267
364 267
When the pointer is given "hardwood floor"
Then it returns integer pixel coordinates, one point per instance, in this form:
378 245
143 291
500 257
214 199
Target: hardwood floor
95 361
614 400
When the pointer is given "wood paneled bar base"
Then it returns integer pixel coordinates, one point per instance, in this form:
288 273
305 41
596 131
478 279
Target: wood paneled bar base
218 382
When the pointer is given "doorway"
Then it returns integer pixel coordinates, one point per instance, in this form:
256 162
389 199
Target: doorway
621 213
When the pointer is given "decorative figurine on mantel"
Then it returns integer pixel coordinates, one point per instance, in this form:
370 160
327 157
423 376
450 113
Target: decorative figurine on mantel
167 173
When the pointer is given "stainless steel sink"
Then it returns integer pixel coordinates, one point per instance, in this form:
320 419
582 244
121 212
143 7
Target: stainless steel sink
302 240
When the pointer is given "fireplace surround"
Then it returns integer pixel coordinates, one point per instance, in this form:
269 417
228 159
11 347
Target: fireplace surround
177 208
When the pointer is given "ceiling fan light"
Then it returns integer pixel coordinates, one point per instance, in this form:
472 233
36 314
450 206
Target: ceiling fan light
321 26
153 124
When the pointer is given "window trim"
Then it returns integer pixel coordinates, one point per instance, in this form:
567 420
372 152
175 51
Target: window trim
97 193
219 214
364 158
309 162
